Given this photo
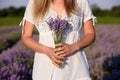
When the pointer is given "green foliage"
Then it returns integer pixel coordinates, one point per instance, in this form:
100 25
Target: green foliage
11 11
108 20
10 21
3 13
114 12
12 16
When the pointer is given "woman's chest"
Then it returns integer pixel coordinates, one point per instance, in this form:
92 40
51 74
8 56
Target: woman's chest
74 22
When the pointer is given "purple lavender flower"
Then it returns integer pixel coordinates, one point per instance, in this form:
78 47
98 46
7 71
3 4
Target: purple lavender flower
58 26
63 24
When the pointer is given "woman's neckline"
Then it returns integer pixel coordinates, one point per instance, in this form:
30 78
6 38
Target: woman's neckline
62 15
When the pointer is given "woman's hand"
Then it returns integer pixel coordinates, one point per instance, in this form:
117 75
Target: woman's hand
64 50
55 58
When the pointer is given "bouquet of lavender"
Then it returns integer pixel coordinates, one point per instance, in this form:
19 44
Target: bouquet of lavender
58 27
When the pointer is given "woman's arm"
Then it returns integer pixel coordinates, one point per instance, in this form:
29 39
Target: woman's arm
89 37
28 41
37 47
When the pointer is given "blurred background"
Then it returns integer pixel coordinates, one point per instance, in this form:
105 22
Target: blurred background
103 55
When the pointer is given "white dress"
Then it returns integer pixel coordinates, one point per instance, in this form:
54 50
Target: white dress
76 66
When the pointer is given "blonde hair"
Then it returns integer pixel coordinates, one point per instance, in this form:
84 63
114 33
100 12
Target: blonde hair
41 7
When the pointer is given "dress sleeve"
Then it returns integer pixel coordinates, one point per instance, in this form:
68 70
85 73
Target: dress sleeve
86 11
28 15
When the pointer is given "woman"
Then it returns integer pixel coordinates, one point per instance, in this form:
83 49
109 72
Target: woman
71 54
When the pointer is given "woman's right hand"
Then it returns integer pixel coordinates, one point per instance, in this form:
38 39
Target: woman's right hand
56 59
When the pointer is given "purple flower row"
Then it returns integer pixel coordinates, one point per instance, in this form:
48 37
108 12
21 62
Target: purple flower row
16 63
106 46
9 36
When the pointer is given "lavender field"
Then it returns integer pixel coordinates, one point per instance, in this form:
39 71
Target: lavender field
103 55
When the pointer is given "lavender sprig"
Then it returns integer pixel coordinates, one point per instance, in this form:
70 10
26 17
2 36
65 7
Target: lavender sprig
57 25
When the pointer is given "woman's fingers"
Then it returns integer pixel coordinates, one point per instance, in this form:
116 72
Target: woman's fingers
56 59
58 44
63 50
55 64
57 55
59 49
59 58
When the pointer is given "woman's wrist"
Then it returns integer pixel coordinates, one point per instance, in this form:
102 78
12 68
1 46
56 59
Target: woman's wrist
43 49
75 47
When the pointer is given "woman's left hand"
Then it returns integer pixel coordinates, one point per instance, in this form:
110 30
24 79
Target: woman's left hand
64 50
